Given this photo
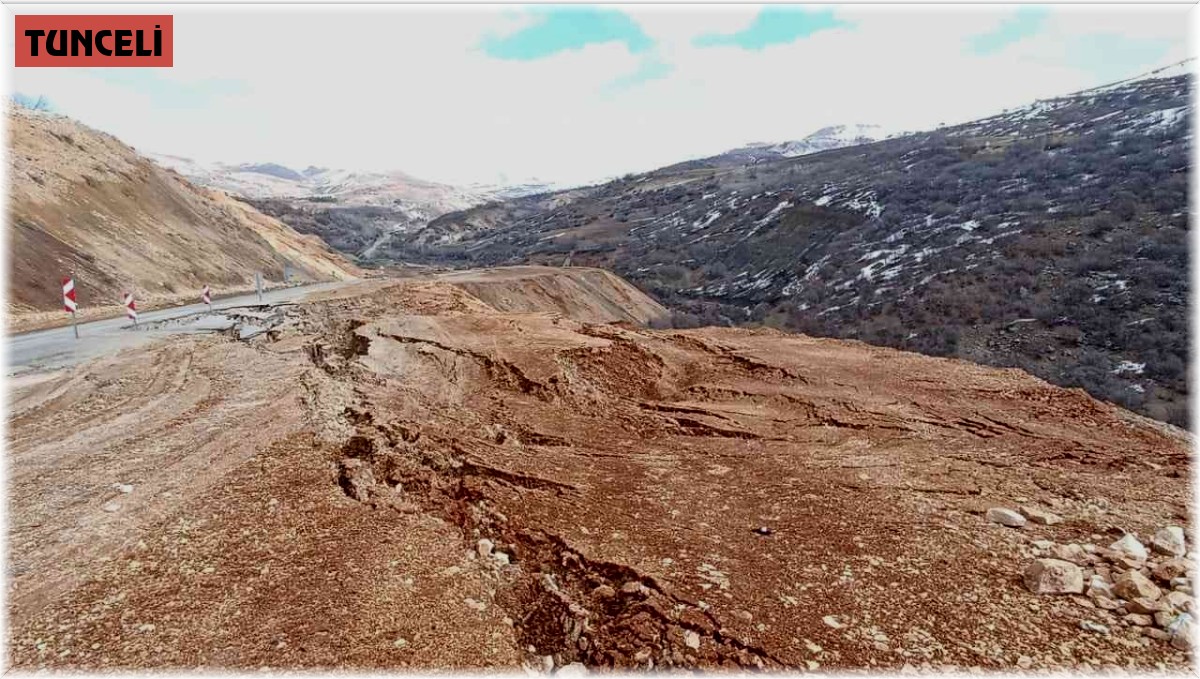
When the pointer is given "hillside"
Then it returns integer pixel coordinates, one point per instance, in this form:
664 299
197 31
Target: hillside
82 202
1052 238
481 470
358 213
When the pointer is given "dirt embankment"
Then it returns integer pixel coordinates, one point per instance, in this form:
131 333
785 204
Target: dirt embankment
83 203
406 475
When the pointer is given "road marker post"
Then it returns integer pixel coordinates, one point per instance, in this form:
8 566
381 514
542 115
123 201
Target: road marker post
130 308
258 285
69 303
206 297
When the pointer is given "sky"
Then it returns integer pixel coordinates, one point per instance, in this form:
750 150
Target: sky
571 94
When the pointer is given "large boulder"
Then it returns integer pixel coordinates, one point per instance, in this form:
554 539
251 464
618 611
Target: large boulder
1054 576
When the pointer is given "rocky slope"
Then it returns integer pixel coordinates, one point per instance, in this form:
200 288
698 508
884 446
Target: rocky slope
1051 237
82 202
479 470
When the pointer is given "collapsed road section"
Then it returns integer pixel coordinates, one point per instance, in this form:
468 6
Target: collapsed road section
454 472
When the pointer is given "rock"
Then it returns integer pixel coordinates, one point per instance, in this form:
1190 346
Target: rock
1170 569
1139 620
1181 631
1073 553
575 669
548 663
832 621
1180 601
1089 626
123 488
500 558
1005 517
1053 576
357 479
1041 544
1130 547
1041 516
633 587
485 547
476 605
1024 662
691 639
1164 618
1144 606
1155 633
1133 585
1170 541
604 592
111 506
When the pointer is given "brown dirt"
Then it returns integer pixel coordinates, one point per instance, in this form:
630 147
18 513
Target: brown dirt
83 202
314 498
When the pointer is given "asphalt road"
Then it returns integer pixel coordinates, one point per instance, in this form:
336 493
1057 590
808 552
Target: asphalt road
57 347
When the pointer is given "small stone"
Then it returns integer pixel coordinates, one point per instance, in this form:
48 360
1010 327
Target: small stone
745 615
123 488
485 547
1053 576
111 506
691 639
1042 544
1133 585
548 663
1164 618
575 669
400 643
1089 626
1041 516
1130 547
1170 541
763 530
832 621
500 558
1139 620
1005 517
812 664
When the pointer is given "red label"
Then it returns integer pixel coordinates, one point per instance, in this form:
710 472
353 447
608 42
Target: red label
94 40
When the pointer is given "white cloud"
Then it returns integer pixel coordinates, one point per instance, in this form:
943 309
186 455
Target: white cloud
407 88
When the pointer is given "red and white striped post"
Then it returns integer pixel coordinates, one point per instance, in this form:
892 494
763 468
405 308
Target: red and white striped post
69 304
130 307
206 297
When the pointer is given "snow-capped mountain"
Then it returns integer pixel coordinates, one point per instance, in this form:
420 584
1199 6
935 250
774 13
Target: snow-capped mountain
833 137
345 187
824 139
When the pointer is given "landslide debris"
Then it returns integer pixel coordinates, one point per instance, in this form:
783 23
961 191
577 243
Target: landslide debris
480 487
